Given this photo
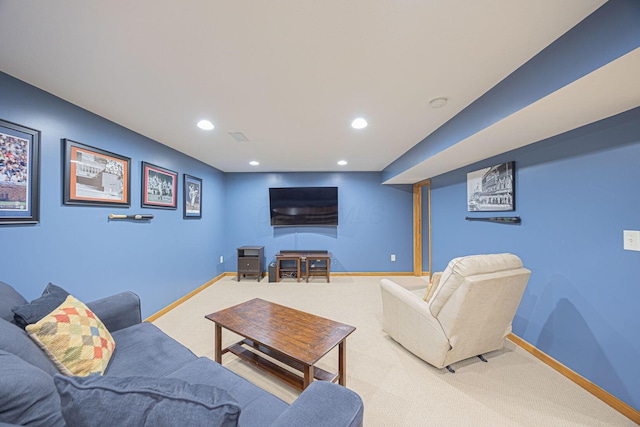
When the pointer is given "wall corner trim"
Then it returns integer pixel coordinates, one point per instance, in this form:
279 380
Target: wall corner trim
179 301
193 293
617 404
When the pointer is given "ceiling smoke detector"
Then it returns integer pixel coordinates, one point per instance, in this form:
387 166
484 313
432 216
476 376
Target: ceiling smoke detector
438 102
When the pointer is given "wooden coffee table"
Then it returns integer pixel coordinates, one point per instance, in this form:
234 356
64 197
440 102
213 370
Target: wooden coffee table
292 337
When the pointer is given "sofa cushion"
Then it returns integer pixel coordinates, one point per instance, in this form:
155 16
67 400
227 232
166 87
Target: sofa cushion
117 311
459 268
258 406
27 394
15 340
74 338
9 298
145 350
143 401
325 404
32 312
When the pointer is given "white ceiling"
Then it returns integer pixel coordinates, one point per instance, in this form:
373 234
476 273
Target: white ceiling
292 74
607 91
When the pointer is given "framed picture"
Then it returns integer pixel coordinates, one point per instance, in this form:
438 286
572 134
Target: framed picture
192 197
19 174
492 189
159 187
95 177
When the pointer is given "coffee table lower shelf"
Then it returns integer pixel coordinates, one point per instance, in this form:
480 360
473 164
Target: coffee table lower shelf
274 369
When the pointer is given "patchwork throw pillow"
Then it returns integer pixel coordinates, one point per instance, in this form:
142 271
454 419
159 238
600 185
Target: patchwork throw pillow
144 401
16 341
51 298
74 338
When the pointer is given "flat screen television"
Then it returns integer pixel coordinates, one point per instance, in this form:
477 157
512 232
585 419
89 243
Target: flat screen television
295 206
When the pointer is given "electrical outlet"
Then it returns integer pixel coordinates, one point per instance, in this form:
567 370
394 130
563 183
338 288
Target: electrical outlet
631 240
221 259
393 257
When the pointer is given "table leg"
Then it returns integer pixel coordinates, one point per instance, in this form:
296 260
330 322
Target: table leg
308 376
328 270
218 345
277 270
342 362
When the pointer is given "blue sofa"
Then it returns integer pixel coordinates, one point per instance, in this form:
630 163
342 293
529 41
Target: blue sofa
32 391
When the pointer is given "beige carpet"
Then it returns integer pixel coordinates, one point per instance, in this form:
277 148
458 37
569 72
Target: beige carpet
398 389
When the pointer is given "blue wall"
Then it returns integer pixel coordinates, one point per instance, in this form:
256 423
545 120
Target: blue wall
76 247
575 193
375 221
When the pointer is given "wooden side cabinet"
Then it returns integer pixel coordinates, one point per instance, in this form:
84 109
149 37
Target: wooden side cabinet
251 261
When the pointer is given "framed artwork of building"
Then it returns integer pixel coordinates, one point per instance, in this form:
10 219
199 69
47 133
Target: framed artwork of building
95 177
492 189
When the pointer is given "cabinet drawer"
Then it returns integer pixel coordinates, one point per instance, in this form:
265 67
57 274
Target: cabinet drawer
248 264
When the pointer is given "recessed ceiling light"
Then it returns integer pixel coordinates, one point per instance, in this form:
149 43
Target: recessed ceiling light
205 125
359 123
254 163
438 102
342 162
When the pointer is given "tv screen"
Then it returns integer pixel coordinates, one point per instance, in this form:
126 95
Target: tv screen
303 206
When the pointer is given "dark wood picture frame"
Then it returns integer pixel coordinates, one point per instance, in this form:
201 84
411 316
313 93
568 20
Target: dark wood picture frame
159 187
19 174
192 197
492 189
95 177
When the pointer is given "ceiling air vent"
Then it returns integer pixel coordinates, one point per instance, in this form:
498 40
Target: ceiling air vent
239 136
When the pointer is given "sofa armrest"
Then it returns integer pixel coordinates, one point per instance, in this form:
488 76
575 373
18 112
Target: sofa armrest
118 311
323 404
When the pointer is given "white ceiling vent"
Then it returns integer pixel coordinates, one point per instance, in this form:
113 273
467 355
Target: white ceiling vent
239 136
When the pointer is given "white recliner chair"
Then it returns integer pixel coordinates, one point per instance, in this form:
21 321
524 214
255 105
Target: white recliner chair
466 311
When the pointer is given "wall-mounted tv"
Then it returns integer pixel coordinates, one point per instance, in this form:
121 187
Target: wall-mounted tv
294 206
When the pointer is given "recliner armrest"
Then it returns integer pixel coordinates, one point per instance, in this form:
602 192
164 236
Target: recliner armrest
407 319
118 311
323 404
